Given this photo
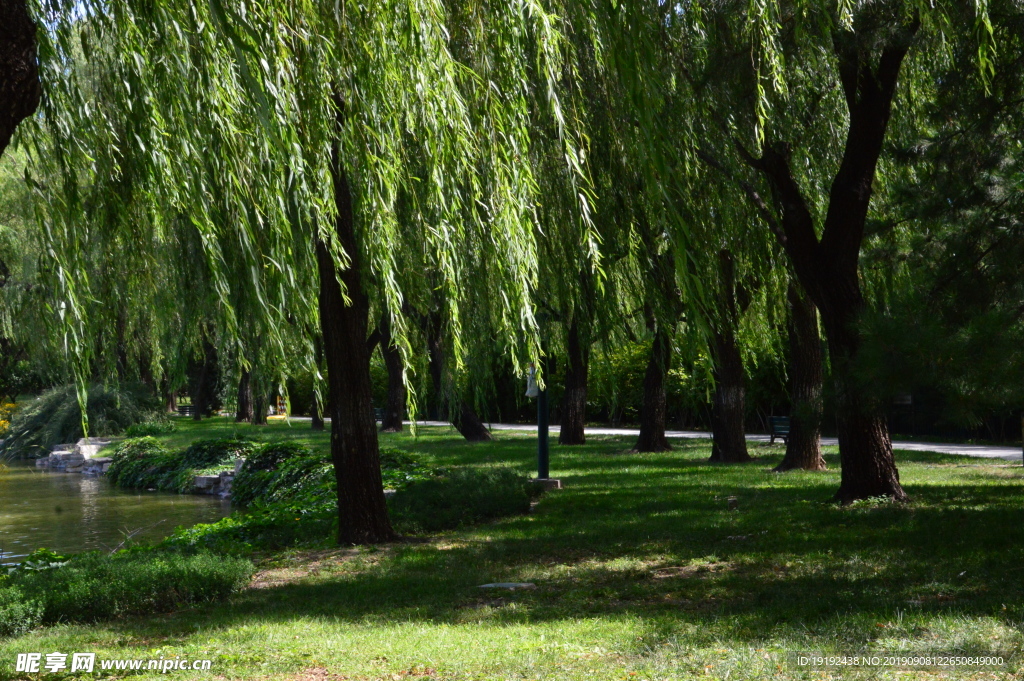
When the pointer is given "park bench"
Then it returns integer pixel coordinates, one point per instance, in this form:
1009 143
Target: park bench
378 414
780 428
186 410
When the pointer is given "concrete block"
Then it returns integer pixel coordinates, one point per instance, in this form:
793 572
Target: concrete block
96 466
547 483
89 447
206 484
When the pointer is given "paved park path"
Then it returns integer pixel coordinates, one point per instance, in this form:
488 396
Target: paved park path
984 451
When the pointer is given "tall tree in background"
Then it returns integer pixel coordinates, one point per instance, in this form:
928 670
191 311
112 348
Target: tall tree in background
728 437
840 60
806 380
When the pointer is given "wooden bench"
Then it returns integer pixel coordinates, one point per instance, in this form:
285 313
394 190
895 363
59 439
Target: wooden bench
378 414
780 428
186 410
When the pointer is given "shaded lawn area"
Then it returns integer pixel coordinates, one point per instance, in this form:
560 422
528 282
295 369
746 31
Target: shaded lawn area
641 569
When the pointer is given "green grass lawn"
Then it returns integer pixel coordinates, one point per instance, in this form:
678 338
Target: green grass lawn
641 572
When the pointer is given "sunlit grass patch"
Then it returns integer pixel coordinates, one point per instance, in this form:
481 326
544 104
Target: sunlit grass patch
641 571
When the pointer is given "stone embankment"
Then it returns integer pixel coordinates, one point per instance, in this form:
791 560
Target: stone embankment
218 485
80 457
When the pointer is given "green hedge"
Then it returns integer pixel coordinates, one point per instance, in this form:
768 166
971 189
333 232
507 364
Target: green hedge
286 472
143 463
461 496
163 426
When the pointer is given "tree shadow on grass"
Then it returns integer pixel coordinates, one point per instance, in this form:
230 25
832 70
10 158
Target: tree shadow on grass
664 547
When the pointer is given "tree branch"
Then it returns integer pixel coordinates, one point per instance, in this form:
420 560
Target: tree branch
755 198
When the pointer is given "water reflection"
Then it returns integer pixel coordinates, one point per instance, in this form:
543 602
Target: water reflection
69 512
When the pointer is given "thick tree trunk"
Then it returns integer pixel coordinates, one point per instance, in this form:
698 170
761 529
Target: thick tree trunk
260 403
19 73
806 376
653 412
171 402
200 403
469 424
435 364
729 442
868 67
362 511
464 418
865 449
317 420
574 399
243 412
394 408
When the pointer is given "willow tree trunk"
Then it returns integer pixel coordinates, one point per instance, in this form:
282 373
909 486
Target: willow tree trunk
435 363
316 421
469 425
868 64
243 411
653 411
394 408
729 442
806 377
574 399
19 72
201 393
462 415
260 401
362 511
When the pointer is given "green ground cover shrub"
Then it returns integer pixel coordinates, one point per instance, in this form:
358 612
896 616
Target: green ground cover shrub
54 417
17 614
143 463
151 427
278 526
289 496
283 472
461 496
139 463
288 472
92 586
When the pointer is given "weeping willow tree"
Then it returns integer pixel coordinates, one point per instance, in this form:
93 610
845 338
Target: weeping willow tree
279 136
795 101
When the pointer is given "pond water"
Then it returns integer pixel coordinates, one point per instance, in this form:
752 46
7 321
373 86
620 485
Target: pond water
70 512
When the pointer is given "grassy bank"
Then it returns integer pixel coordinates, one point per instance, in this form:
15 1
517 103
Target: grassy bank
642 572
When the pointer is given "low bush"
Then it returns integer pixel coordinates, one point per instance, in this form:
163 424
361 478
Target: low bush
143 463
283 472
461 496
290 498
148 428
277 526
399 468
55 418
92 586
17 615
287 472
140 462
